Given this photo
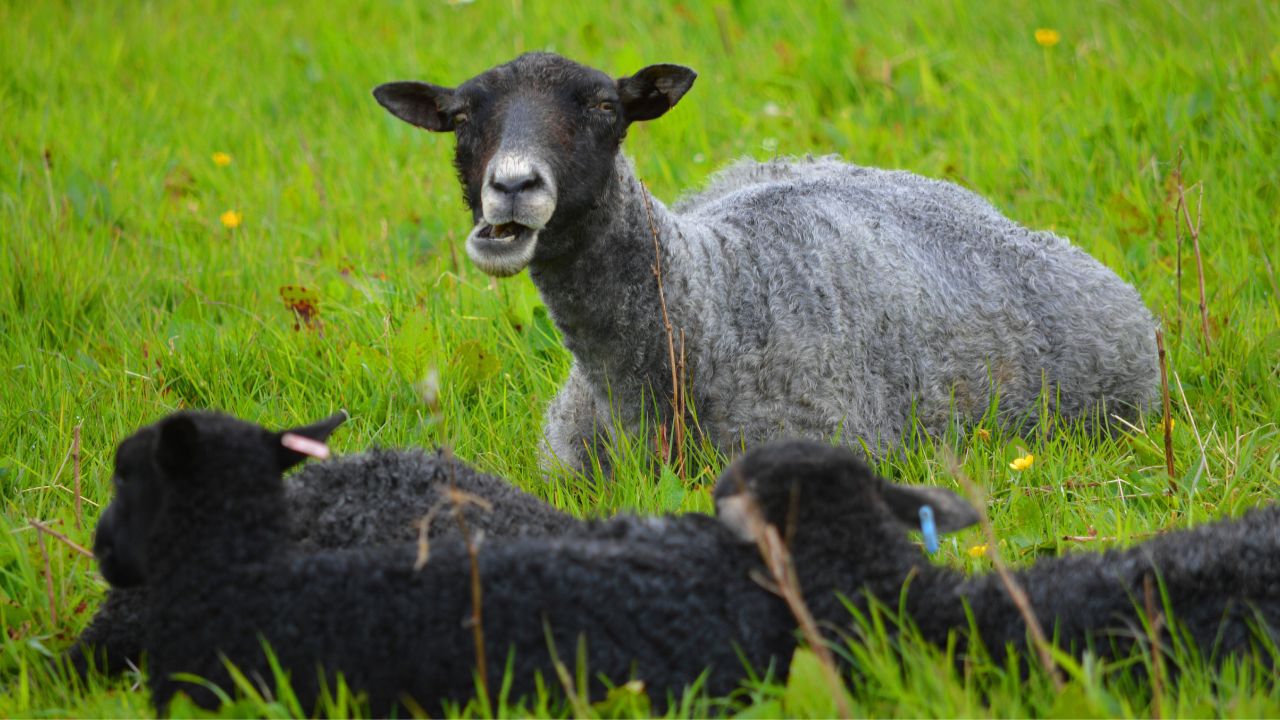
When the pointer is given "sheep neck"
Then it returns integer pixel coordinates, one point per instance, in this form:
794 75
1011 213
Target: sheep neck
895 574
602 293
207 530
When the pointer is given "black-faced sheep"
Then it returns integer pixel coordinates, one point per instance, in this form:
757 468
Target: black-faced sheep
200 520
370 498
1218 580
809 298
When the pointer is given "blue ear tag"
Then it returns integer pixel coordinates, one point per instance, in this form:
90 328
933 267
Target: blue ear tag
929 529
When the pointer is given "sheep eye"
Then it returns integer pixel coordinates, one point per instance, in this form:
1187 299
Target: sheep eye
604 106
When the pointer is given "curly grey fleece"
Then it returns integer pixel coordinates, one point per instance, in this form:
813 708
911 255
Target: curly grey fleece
817 298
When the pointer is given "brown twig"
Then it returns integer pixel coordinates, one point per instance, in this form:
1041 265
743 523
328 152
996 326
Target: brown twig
1093 536
677 387
1167 420
75 454
778 560
48 579
1019 596
1177 232
456 501
1194 231
477 618
1155 623
68 541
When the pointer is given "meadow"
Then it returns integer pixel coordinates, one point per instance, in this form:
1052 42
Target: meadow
201 205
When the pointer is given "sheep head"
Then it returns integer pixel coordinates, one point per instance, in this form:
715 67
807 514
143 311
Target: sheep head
537 140
183 461
811 488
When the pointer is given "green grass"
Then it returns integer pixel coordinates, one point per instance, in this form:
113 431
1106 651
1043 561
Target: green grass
122 297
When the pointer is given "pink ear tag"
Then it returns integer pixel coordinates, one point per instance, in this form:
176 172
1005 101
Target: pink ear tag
305 446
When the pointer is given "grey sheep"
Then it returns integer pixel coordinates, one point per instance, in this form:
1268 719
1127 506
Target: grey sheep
370 498
199 521
1219 583
808 297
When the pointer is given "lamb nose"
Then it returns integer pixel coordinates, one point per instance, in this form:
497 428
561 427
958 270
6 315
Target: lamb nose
515 184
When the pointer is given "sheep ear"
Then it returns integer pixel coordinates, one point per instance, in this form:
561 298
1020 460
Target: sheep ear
417 103
950 511
295 445
654 90
178 445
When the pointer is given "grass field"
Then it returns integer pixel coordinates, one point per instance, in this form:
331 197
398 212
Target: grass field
125 295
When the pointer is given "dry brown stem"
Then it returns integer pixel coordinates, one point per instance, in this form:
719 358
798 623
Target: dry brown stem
1167 421
777 559
75 454
48 579
41 527
677 367
1155 623
477 617
455 501
1183 211
978 498
1177 232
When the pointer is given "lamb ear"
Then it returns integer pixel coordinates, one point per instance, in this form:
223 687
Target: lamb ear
178 445
950 511
290 452
417 103
654 90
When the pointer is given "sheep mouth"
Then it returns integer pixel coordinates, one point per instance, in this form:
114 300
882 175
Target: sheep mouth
501 250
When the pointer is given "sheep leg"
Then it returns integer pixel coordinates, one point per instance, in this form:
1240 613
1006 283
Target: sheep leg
113 641
574 429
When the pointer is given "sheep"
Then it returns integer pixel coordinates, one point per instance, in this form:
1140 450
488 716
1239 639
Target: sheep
358 500
1220 582
807 297
199 521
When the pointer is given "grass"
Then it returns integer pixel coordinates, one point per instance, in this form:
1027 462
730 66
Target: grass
123 296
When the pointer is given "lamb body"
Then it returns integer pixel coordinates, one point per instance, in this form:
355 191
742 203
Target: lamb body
1217 579
199 522
809 298
359 500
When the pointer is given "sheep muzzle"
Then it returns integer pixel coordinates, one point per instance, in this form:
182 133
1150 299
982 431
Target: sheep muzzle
501 250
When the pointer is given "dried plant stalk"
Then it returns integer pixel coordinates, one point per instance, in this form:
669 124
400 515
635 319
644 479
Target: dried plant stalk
781 567
48 579
1155 623
1167 422
75 455
1011 585
677 387
41 527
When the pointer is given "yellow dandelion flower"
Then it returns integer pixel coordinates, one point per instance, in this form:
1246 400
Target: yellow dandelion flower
221 159
1023 462
982 434
231 219
977 551
1171 423
1048 37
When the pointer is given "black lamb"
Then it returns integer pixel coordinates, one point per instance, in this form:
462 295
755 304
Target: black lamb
369 498
200 520
1220 583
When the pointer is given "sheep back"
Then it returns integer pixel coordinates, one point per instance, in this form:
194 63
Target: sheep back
818 296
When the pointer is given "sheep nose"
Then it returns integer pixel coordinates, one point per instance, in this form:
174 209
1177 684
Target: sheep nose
516 182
